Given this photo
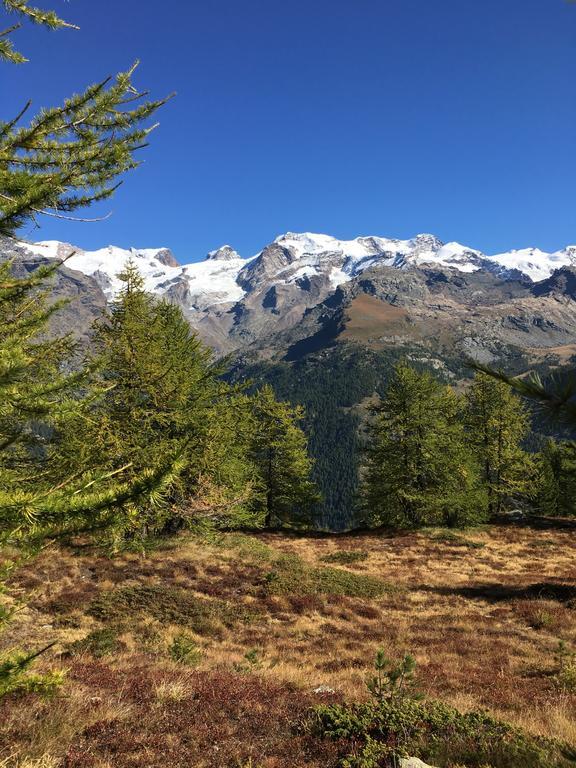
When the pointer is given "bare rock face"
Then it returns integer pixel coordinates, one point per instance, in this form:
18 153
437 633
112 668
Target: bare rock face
273 260
561 284
166 257
225 253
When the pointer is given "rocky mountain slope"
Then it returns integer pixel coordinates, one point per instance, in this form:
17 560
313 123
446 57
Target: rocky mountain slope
86 300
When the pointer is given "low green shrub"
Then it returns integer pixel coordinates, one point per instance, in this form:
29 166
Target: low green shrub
100 642
346 557
433 731
249 548
251 663
397 723
170 605
291 576
565 678
450 537
184 650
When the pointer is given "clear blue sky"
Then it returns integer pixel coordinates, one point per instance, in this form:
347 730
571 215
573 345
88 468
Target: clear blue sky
388 117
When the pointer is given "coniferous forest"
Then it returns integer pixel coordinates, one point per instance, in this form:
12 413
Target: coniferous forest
349 558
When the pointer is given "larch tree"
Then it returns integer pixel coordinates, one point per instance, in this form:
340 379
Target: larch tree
497 422
64 159
68 157
228 488
279 451
38 399
158 386
554 398
162 396
418 468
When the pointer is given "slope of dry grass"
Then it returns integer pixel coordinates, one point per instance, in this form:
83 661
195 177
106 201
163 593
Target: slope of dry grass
208 651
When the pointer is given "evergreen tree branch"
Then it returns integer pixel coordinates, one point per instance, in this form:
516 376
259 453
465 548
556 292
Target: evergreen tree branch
557 398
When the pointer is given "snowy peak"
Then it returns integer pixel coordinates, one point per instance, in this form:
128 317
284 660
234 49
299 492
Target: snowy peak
155 264
224 253
198 285
425 243
342 260
533 263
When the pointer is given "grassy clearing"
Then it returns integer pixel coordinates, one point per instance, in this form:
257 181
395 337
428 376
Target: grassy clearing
229 638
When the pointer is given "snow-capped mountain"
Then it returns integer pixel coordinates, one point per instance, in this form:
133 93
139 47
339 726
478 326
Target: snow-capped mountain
224 277
236 302
348 258
534 263
210 282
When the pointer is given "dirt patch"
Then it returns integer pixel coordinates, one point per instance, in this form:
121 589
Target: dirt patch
369 318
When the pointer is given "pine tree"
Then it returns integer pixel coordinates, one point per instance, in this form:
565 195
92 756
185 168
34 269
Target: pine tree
227 490
34 396
418 468
497 423
555 398
163 396
65 159
549 466
286 495
38 402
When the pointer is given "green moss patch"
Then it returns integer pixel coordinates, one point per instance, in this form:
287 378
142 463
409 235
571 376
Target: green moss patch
456 539
248 548
100 642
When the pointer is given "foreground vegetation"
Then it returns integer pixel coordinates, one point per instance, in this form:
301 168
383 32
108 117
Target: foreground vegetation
218 650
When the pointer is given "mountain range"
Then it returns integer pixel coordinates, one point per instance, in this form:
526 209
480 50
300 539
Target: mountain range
323 320
237 303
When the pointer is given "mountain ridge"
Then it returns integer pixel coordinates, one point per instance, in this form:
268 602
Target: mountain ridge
312 250
234 302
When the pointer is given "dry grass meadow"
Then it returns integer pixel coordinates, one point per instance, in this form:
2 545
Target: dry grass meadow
208 651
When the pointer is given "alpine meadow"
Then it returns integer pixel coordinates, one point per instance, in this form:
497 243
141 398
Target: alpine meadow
309 500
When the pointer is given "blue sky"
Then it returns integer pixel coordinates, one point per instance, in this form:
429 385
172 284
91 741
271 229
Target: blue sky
382 117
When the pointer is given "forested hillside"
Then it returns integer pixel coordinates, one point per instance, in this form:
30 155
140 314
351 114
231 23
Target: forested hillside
332 386
336 387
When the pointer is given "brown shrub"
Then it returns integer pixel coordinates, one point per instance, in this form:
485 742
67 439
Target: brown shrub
218 719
